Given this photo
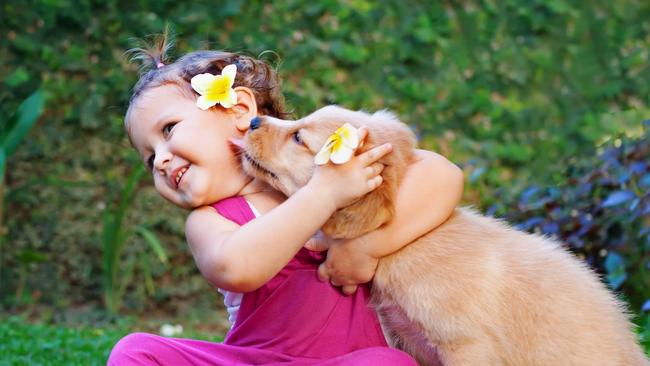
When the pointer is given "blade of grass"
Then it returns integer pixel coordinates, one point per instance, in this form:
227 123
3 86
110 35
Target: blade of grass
126 276
3 163
151 239
114 237
146 273
27 114
108 235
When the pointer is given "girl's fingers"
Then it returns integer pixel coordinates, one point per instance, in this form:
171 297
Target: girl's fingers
375 153
349 289
363 133
374 170
375 182
316 245
323 275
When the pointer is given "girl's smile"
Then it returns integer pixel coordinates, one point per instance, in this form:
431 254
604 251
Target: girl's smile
186 148
177 174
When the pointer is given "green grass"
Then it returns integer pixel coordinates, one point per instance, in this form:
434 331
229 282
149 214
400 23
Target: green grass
24 343
39 344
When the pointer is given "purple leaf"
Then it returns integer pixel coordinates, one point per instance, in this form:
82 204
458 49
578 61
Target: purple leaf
638 167
550 228
618 197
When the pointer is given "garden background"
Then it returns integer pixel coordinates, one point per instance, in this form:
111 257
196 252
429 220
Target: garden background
542 103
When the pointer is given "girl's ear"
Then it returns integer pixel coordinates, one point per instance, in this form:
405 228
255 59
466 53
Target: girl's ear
245 109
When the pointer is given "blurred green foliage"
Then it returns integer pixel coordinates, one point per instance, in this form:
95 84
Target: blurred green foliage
514 90
600 212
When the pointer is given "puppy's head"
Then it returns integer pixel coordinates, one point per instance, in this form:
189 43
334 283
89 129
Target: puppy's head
282 153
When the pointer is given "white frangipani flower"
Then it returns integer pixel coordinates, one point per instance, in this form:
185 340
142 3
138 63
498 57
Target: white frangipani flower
215 89
339 147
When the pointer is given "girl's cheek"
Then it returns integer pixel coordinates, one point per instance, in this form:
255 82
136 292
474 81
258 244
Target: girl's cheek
160 188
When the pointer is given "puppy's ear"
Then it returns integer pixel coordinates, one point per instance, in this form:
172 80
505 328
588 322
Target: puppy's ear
377 207
365 215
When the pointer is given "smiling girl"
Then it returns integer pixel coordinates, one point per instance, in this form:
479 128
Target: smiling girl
248 240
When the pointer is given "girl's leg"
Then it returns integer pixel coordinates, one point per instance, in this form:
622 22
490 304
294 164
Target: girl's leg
151 349
374 356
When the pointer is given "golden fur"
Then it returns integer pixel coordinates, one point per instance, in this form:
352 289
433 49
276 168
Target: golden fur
473 291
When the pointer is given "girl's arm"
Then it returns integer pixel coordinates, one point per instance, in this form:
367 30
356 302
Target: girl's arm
430 190
244 258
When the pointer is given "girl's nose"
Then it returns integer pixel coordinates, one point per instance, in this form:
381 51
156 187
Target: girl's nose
161 160
255 122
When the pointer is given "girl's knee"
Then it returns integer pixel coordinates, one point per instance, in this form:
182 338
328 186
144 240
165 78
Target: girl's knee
136 349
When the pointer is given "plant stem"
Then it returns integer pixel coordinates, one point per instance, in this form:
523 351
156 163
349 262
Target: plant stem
2 205
3 164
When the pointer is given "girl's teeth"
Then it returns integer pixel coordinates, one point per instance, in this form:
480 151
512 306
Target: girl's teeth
180 174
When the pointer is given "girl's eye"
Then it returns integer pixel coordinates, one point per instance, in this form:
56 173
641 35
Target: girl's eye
296 138
167 129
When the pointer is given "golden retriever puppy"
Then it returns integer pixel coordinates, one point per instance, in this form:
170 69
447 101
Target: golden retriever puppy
474 291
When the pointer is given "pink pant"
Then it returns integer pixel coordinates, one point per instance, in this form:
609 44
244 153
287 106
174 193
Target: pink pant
151 349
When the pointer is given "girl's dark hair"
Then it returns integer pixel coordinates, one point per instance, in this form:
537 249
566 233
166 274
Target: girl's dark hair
252 73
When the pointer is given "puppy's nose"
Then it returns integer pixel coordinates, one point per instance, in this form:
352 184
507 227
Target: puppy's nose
255 123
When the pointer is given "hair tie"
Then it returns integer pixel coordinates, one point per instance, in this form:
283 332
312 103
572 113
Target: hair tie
159 65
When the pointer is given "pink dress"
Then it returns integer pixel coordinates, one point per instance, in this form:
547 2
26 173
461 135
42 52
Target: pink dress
294 319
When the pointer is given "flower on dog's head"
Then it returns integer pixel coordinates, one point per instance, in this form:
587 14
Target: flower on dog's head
215 89
339 147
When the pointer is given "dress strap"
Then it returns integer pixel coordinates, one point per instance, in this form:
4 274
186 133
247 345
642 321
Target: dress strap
235 209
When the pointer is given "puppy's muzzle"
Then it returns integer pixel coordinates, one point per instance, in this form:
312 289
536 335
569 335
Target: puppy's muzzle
255 123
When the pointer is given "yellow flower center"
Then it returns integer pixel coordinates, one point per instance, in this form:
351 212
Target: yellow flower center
218 89
339 147
338 143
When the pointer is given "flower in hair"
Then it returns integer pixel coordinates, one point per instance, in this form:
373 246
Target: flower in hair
215 89
339 147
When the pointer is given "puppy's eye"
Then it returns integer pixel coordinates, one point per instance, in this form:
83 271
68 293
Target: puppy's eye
296 138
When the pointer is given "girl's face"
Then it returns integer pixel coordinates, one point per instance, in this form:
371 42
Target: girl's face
186 148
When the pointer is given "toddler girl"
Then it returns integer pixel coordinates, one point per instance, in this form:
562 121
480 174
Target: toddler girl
248 240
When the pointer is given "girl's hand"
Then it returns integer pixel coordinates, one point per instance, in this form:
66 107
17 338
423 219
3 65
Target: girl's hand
318 242
343 184
348 264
